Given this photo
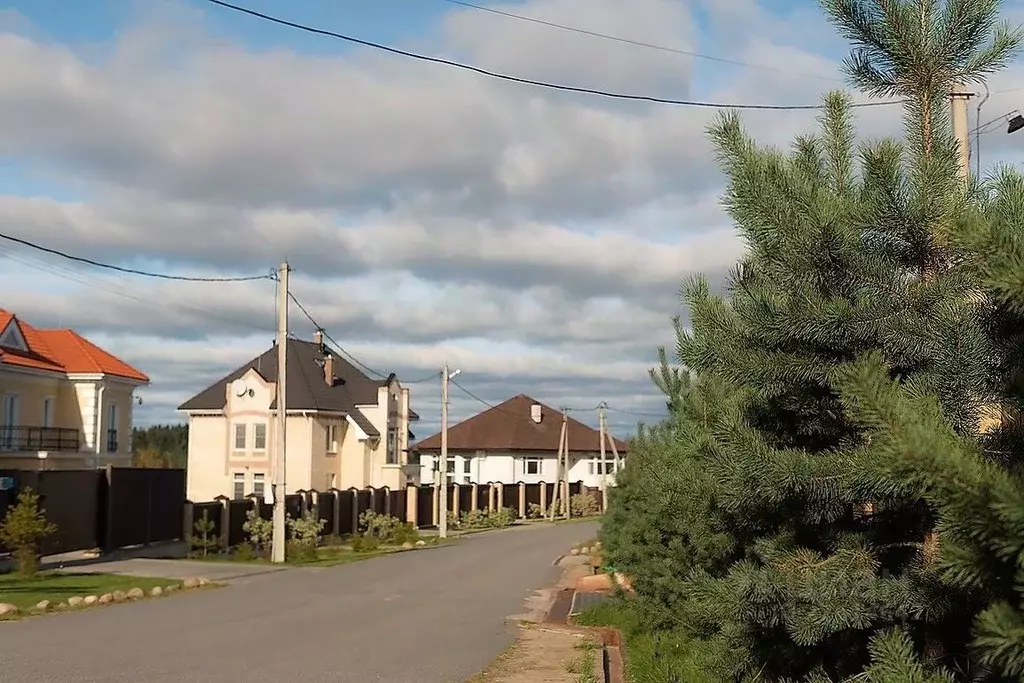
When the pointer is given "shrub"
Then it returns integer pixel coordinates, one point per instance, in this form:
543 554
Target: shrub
23 529
501 518
333 540
299 551
307 528
365 544
584 505
454 521
474 519
245 552
381 527
535 511
259 530
406 533
484 519
204 540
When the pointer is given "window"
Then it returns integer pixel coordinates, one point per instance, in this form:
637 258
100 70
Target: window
258 485
392 455
48 411
239 486
9 418
332 438
259 437
239 437
467 465
531 466
112 428
594 467
451 466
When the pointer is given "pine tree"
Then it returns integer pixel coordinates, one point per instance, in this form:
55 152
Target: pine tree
823 564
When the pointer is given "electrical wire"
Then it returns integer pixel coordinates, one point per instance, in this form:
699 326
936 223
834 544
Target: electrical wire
130 271
528 81
635 43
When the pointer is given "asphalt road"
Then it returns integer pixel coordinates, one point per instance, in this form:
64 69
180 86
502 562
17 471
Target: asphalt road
431 616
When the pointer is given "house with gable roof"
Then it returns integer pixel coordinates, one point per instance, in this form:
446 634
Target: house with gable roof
65 403
517 441
344 429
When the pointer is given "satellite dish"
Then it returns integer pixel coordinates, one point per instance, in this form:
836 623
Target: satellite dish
239 387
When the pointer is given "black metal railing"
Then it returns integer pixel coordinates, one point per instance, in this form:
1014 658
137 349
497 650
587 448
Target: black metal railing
111 441
26 438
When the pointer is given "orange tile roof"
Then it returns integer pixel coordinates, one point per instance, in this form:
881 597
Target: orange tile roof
62 351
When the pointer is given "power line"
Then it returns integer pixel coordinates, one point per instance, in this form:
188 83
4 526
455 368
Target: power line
628 41
130 271
528 81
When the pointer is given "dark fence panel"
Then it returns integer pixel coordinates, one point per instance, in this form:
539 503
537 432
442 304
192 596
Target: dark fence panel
237 511
266 510
398 504
325 511
510 496
532 495
466 498
451 497
345 519
380 500
575 487
363 503
550 489
213 511
71 499
425 506
144 506
594 492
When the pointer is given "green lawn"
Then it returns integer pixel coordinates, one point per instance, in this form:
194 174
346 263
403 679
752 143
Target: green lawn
57 587
329 556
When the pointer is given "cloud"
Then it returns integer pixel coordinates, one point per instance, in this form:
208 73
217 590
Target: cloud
536 238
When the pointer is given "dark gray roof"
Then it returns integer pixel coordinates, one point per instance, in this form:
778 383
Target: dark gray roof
307 389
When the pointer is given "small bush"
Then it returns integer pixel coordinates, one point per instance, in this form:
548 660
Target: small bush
454 521
244 552
299 552
483 519
333 541
474 519
584 505
384 528
204 540
259 530
406 533
535 511
501 518
23 529
307 528
365 544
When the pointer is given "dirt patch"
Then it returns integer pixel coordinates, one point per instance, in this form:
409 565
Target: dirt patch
544 654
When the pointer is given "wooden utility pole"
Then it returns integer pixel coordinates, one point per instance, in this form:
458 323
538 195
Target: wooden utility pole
442 466
958 104
601 433
278 539
558 467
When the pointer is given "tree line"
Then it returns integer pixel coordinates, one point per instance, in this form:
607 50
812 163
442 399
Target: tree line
163 446
838 493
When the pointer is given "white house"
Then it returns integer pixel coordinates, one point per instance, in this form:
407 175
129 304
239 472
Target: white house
344 429
517 441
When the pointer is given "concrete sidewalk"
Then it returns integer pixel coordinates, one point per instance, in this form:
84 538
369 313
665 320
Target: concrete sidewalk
418 617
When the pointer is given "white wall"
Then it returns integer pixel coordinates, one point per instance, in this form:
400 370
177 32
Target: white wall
511 467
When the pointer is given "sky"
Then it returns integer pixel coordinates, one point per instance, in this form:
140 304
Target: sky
534 239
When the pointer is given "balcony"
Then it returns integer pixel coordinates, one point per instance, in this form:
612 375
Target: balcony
25 438
111 441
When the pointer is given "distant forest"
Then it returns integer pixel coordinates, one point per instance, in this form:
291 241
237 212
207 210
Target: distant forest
164 446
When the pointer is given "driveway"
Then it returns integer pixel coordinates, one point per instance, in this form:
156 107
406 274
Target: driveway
433 616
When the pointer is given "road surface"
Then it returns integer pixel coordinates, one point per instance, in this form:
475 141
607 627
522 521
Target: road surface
431 616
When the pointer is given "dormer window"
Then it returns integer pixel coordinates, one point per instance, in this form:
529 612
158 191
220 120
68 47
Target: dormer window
11 337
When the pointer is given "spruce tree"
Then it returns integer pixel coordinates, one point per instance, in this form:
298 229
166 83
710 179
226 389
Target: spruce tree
820 564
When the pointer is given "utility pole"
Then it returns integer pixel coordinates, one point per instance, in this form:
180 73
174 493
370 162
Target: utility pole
278 539
558 469
601 432
958 103
442 468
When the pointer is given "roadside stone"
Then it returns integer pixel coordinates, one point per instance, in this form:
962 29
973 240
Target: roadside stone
203 582
597 545
408 545
574 551
120 596
90 600
75 601
43 606
190 582
585 550
106 599
61 607
420 543
157 591
7 609
136 593
172 588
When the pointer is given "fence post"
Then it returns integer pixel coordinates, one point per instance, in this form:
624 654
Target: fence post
604 499
337 511
491 500
499 490
543 499
386 490
522 500
412 502
109 542
188 520
355 510
225 522
435 505
455 499
474 497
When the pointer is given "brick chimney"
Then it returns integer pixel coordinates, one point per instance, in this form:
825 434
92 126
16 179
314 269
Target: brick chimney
535 413
318 337
329 369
